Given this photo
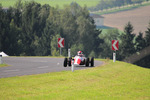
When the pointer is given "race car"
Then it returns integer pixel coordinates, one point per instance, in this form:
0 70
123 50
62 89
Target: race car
79 59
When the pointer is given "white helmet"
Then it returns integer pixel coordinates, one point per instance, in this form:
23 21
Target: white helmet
79 52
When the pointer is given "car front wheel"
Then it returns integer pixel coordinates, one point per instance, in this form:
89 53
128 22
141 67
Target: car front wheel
87 62
65 62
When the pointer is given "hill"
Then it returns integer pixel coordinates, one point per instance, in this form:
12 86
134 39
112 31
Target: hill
139 18
117 80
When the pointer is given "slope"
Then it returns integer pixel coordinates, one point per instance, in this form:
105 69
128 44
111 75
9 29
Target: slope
117 80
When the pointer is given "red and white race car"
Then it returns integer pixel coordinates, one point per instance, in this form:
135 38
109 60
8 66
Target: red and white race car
79 60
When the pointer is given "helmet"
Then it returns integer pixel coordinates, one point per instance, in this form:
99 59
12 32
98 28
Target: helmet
79 52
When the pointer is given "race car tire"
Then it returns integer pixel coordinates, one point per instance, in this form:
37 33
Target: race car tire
69 62
65 62
87 62
92 61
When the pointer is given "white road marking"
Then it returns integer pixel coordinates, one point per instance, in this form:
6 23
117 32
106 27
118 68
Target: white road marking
15 70
40 61
43 67
58 63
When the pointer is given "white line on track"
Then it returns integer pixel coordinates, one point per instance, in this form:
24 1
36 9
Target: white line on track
43 67
40 61
15 70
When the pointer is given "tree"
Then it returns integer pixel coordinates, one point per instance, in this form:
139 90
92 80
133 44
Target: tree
3 26
98 42
128 1
68 24
13 47
102 5
147 36
42 41
8 32
140 42
112 34
127 47
54 46
85 34
31 27
18 7
119 3
75 48
137 1
34 28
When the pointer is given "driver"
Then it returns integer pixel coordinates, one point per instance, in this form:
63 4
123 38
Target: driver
79 53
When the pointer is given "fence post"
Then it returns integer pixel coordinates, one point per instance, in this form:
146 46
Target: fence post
114 56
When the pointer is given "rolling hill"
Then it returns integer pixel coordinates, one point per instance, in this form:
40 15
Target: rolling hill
139 18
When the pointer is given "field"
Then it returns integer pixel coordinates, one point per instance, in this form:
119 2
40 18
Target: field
60 3
118 81
139 18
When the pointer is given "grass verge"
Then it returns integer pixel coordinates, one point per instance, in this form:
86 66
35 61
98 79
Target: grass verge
117 80
4 65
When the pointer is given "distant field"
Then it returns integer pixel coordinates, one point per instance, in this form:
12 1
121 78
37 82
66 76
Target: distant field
60 3
139 18
112 81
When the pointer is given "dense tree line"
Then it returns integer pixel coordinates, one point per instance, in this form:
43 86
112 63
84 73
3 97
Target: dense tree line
32 29
129 43
105 4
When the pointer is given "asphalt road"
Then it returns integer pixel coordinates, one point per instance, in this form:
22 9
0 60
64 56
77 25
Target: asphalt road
20 66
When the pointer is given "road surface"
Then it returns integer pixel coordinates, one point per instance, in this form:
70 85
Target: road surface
34 65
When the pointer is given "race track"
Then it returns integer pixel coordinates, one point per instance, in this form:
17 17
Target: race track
34 65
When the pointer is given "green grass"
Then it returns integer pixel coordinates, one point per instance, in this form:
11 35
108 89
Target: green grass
3 65
105 31
117 80
60 3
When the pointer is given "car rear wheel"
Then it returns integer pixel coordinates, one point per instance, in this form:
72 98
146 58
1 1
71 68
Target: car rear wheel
69 62
65 62
87 62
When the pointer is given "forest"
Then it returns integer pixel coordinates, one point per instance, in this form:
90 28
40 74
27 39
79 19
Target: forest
32 29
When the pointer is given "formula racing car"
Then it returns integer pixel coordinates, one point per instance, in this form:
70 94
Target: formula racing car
79 59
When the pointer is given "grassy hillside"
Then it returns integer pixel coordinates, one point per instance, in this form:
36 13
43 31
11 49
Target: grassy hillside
111 81
60 3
